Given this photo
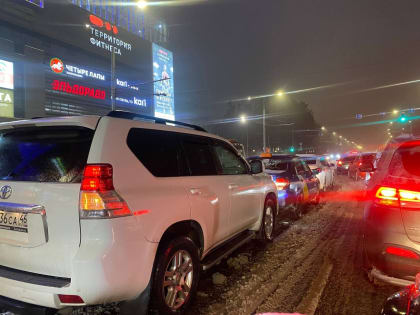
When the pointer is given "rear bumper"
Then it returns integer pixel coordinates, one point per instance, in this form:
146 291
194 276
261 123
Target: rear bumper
114 263
384 228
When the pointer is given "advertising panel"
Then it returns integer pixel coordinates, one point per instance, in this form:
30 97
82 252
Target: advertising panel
6 89
163 72
6 74
93 85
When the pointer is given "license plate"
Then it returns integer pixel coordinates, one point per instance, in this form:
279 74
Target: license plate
14 221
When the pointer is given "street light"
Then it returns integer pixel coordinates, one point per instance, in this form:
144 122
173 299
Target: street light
249 98
323 128
334 133
395 111
280 93
243 121
142 4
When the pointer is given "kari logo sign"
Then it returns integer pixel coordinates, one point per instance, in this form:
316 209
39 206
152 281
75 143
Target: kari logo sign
57 65
6 74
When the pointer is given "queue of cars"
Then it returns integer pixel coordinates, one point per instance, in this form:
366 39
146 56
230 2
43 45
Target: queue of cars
81 216
87 196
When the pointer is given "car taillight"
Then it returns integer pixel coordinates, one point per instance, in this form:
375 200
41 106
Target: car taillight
281 183
340 162
402 252
360 163
98 199
397 197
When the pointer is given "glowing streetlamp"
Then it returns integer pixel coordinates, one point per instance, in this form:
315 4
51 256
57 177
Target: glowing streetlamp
280 93
243 119
142 4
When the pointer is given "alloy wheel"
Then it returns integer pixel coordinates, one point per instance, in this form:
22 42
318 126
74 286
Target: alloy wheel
178 279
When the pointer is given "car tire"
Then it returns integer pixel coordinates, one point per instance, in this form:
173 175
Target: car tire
317 198
176 276
297 208
268 222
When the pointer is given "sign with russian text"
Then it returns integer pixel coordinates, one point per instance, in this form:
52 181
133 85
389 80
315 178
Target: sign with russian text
6 103
78 89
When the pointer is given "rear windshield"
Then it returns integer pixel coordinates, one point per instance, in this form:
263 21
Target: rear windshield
276 165
44 154
405 161
349 159
368 157
310 161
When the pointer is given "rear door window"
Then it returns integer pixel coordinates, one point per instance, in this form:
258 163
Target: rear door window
159 151
44 154
405 161
199 155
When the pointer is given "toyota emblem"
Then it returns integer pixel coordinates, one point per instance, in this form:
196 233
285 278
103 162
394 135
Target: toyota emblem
5 192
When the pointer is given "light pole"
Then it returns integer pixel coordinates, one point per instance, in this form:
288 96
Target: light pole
243 121
263 101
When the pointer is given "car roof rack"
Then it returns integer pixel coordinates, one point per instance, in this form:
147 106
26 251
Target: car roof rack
132 116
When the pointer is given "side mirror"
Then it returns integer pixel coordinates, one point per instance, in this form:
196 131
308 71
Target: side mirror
367 167
256 166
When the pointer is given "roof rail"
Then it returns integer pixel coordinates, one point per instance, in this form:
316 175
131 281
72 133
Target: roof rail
132 116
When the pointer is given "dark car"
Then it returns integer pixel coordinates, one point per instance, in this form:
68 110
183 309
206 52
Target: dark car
404 302
392 214
355 168
344 164
297 185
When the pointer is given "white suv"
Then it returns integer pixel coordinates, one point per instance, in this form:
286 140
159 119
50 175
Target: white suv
116 208
320 166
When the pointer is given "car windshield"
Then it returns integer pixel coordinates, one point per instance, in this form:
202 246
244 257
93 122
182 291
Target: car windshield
277 165
310 161
44 154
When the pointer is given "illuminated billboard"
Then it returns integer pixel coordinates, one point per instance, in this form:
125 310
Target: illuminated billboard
163 72
6 89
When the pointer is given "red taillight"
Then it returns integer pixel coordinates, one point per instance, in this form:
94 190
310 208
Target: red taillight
360 163
97 177
98 199
340 163
387 196
70 299
282 183
397 251
395 197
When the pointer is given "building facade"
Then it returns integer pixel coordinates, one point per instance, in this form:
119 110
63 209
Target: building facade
67 57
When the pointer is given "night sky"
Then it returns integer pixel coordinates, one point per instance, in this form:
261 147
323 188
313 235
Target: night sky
232 49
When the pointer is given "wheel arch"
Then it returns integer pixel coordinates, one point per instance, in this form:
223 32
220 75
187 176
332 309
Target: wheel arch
190 228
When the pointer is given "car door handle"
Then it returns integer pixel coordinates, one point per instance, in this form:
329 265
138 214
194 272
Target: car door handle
233 186
195 191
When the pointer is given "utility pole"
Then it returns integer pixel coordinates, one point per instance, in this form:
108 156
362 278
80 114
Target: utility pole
263 106
112 80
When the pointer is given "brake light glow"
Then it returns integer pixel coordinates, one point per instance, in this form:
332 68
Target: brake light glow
360 163
407 195
282 183
340 162
397 251
98 199
395 197
70 299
